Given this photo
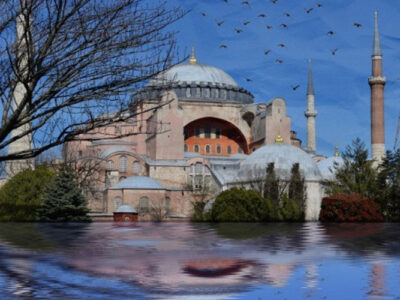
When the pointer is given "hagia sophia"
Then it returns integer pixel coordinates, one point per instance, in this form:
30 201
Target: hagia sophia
195 131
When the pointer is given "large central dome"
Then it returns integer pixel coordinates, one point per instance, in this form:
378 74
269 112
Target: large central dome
196 82
195 73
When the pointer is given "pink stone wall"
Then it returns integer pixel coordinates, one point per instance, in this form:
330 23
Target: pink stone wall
180 201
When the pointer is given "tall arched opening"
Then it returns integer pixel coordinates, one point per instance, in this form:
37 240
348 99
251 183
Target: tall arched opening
212 136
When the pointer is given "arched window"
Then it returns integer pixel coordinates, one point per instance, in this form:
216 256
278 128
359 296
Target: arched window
167 206
196 148
186 148
217 133
117 202
110 165
122 164
208 148
136 167
229 149
207 131
144 204
188 93
219 149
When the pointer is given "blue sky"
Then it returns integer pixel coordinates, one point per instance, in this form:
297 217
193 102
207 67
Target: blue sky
340 80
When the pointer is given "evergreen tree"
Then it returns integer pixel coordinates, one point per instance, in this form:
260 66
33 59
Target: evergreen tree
357 175
271 186
63 200
22 195
389 186
297 189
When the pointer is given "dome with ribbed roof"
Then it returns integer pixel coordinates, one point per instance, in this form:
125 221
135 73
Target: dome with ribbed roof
196 82
283 156
138 183
126 209
327 166
195 73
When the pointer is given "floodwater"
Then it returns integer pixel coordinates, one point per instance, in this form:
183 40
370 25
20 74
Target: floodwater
199 261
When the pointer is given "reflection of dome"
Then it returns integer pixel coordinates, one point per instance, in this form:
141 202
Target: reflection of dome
283 156
138 183
197 73
327 167
125 209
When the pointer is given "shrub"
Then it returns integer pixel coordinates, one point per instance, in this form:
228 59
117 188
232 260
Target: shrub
349 208
198 211
240 205
22 195
63 200
289 210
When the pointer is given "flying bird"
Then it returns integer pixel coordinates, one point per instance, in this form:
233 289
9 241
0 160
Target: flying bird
279 61
274 1
333 52
282 45
309 10
268 27
246 23
226 1
262 15
295 87
358 25
266 52
219 23
203 14
246 3
223 46
248 79
319 4
286 14
283 25
238 30
330 32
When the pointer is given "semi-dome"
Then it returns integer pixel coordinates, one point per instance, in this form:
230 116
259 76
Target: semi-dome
327 166
194 73
283 156
138 183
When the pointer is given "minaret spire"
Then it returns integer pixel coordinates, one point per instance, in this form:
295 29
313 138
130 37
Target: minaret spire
310 85
310 112
377 44
377 83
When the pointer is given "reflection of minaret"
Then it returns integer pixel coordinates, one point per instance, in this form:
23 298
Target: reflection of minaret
310 112
377 82
22 49
377 286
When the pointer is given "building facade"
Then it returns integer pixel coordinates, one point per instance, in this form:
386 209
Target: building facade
193 132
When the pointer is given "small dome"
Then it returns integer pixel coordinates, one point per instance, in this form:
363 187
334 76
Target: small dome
283 156
327 166
188 72
125 209
138 183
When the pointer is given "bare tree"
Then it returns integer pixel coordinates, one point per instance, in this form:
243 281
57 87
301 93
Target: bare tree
70 66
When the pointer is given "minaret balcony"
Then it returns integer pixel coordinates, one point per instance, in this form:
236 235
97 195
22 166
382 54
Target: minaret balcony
377 80
309 113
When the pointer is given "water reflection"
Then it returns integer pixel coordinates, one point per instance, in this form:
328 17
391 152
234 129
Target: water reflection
172 260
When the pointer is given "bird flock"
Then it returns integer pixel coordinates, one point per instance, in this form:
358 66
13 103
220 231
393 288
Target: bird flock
284 23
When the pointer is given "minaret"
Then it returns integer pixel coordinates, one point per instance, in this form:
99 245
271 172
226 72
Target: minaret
377 83
24 143
310 112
